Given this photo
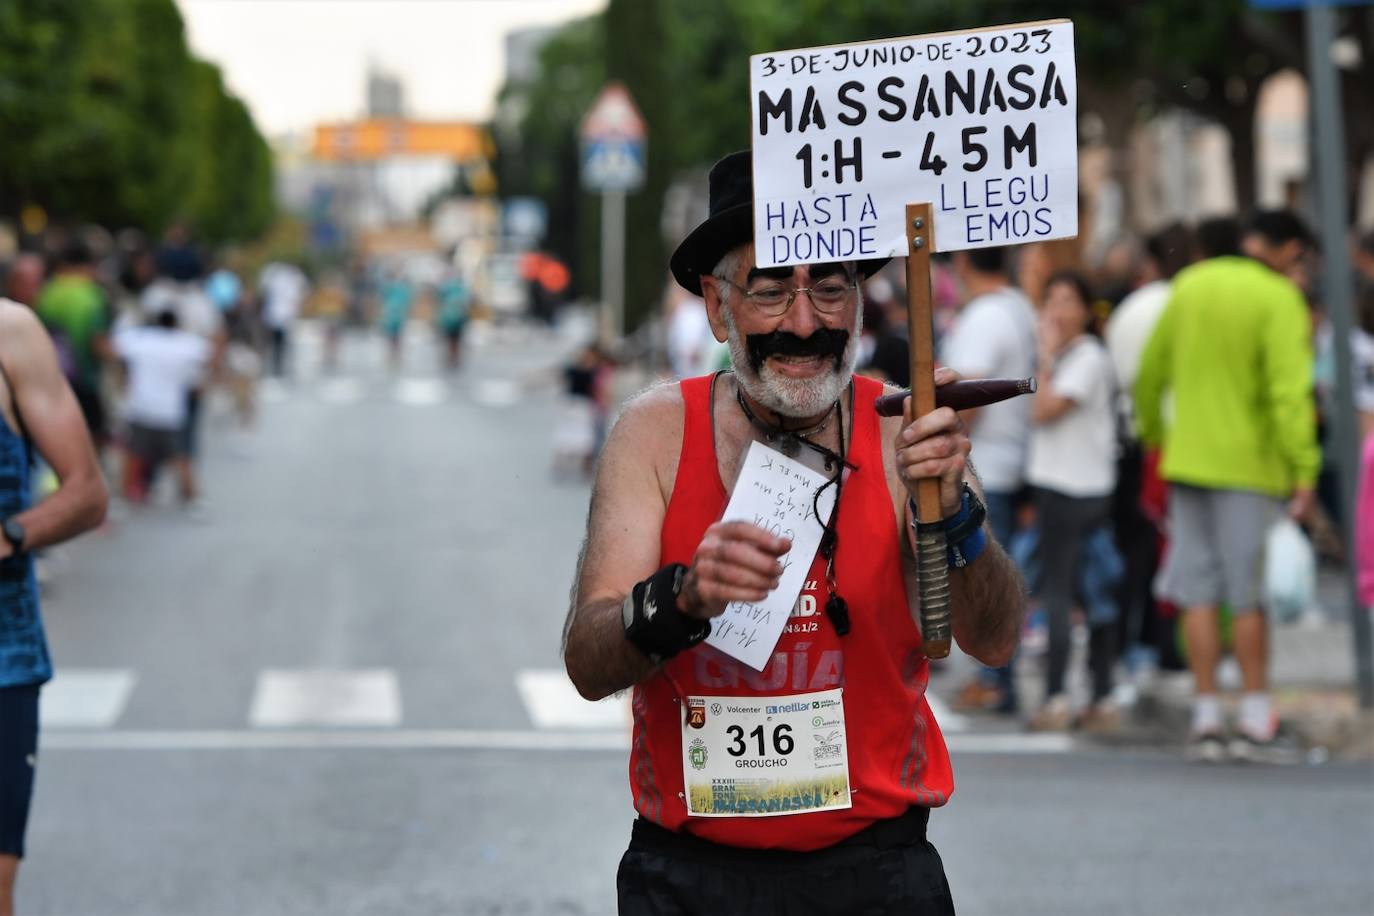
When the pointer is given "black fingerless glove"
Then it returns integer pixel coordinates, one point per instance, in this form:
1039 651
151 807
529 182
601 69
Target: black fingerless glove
653 624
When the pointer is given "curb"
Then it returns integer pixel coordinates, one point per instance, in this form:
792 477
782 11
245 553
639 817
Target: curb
1327 720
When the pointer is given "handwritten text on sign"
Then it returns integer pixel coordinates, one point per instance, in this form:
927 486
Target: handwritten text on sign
779 495
980 124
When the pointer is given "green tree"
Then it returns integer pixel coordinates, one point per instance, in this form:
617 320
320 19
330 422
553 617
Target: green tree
537 154
686 63
40 43
635 34
108 118
230 195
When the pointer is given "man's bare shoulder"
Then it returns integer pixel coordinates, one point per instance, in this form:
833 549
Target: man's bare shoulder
648 432
18 318
656 410
19 330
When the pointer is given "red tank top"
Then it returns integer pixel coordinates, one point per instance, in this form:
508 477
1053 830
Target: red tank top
897 756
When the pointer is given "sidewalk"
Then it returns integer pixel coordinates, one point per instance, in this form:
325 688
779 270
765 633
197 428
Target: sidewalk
1312 674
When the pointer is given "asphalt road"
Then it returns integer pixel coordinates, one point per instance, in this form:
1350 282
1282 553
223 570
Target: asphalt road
337 693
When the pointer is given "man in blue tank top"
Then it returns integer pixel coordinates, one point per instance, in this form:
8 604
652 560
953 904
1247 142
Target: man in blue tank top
38 412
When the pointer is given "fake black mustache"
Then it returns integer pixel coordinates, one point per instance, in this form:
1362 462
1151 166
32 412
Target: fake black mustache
822 342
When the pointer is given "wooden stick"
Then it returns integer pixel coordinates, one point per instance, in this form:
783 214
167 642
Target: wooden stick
931 559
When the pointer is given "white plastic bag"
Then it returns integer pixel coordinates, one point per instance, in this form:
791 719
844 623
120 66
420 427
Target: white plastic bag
1290 571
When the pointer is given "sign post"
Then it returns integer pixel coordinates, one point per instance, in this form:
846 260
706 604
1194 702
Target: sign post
906 146
1329 152
613 138
930 542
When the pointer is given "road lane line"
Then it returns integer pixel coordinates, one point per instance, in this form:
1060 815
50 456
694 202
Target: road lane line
444 739
340 739
1010 743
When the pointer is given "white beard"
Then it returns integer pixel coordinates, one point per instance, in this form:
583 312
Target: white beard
793 397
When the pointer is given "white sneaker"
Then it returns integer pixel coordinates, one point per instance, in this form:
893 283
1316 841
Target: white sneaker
1056 715
1206 747
1279 749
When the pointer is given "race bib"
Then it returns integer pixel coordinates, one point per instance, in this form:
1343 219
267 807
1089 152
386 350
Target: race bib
763 756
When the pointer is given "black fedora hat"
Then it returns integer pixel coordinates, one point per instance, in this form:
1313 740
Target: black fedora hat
730 222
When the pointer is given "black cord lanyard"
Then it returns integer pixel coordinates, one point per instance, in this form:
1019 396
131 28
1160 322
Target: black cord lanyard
836 608
787 441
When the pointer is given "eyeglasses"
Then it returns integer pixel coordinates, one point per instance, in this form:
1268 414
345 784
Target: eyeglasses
774 299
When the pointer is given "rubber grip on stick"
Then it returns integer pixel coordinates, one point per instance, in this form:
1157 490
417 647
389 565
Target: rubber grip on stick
932 568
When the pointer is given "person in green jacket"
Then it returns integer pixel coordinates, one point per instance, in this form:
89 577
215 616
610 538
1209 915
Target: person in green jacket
74 310
1233 351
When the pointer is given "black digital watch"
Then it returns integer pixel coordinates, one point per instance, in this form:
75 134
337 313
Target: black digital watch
14 533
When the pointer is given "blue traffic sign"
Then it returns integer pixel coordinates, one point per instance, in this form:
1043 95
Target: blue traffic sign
612 164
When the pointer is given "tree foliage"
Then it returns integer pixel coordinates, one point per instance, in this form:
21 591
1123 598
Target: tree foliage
538 153
108 118
686 62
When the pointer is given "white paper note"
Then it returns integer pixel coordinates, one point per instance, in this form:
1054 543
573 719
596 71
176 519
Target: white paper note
779 495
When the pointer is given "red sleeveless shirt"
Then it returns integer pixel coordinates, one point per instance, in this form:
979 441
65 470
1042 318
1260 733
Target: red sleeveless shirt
897 756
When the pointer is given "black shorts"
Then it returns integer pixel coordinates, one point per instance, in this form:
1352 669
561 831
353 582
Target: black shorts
190 431
92 410
18 758
153 446
887 868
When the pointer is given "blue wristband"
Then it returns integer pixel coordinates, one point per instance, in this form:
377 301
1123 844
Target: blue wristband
963 552
967 550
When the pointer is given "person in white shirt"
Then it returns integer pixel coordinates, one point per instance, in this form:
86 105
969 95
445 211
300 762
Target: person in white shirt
994 337
283 288
164 365
1072 468
1133 321
690 343
196 314
1144 636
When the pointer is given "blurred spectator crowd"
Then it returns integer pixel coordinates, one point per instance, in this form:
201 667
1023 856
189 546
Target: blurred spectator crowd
1071 491
144 330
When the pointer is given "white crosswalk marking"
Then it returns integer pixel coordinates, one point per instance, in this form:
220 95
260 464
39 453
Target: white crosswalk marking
342 391
420 392
85 697
361 708
553 703
293 698
496 392
272 391
950 722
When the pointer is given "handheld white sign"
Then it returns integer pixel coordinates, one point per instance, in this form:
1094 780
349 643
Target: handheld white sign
982 124
779 495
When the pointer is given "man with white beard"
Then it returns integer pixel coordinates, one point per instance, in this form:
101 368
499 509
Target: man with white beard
658 565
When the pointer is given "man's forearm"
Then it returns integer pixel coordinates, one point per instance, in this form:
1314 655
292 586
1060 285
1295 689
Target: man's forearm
988 605
599 659
77 506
